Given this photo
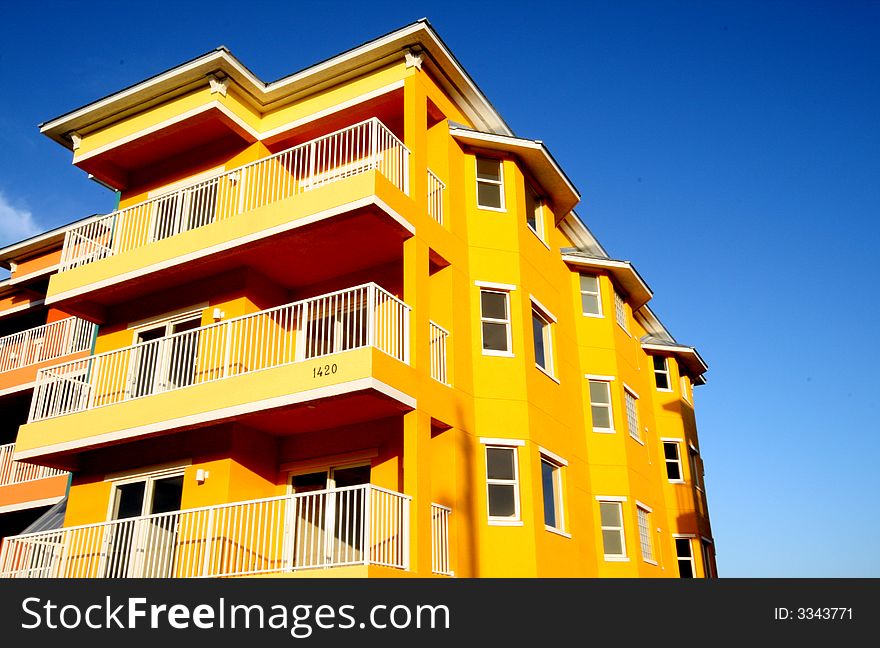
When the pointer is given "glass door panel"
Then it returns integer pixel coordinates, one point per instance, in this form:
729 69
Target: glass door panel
182 353
347 543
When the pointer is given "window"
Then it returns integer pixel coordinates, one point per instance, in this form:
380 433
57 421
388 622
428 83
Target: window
661 374
591 300
644 515
685 557
672 455
541 334
534 212
600 406
502 483
551 481
620 310
495 321
685 388
140 548
632 414
708 572
490 184
338 519
696 474
613 540
150 495
165 355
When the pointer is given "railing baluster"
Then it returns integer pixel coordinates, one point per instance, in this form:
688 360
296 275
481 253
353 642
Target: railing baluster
348 319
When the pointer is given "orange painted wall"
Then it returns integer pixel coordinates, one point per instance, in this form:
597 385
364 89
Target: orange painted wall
33 491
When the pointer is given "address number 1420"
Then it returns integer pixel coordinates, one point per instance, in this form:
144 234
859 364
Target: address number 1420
324 370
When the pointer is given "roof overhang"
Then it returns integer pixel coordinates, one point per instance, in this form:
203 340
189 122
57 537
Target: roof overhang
537 159
688 356
623 272
417 37
52 239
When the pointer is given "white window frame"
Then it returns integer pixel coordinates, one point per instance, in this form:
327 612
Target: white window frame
538 214
499 183
694 466
150 478
689 537
492 320
708 569
559 464
512 445
610 405
664 371
683 381
620 311
632 413
547 333
328 469
598 293
646 540
619 501
677 461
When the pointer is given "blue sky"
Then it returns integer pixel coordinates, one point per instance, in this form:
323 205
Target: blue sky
730 149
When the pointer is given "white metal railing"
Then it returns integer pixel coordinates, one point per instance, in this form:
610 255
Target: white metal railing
17 472
439 336
436 187
354 525
364 146
45 342
365 315
440 539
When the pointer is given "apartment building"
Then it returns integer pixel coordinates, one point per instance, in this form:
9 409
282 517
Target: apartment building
345 323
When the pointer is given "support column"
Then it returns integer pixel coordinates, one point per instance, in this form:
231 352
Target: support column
417 484
415 137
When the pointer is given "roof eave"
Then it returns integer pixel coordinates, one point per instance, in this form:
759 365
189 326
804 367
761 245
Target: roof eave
221 59
694 361
624 272
536 156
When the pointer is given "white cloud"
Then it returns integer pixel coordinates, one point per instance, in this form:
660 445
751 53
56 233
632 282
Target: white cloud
15 223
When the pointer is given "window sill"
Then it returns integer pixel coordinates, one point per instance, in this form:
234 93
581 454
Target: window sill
604 431
677 481
636 439
650 562
547 373
493 209
559 532
623 328
506 523
593 315
498 354
616 558
667 391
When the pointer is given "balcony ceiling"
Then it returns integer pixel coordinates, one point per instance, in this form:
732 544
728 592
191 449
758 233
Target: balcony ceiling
319 414
172 144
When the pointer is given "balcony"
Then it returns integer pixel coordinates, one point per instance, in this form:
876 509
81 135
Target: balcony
17 472
359 174
439 370
348 342
363 147
436 189
356 525
25 485
22 352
